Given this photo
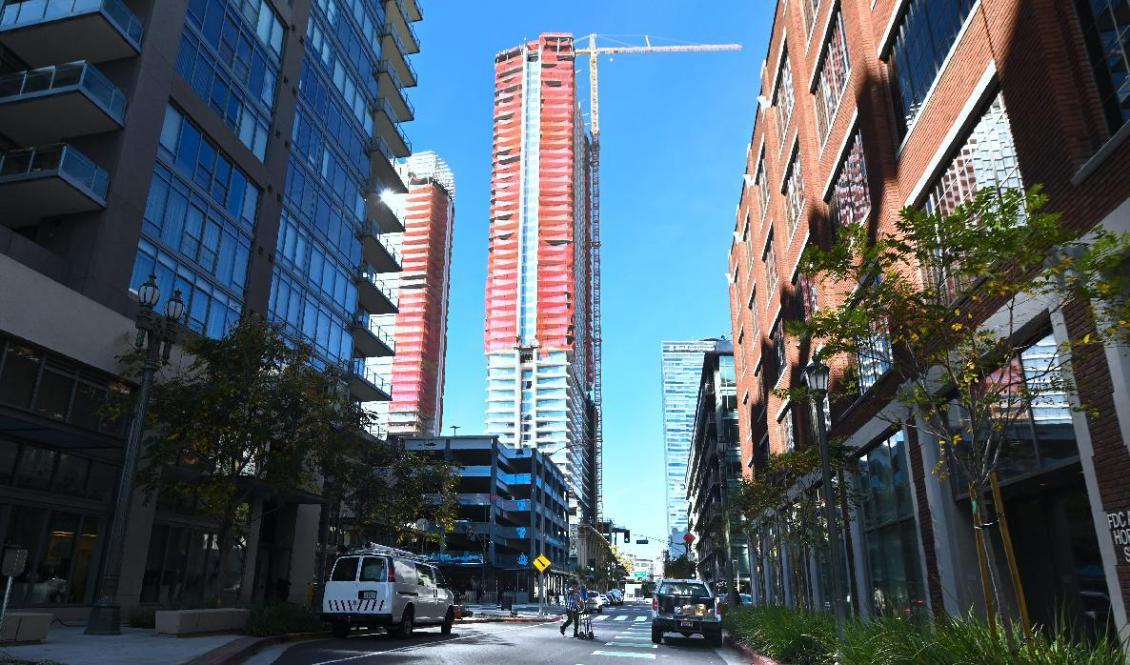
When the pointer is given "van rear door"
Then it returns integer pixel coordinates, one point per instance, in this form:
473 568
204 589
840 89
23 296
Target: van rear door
374 591
341 587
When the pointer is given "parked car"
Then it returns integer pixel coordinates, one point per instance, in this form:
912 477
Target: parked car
615 597
598 601
383 586
686 607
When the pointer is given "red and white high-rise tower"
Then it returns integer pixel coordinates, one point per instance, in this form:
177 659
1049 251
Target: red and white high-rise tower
422 289
538 302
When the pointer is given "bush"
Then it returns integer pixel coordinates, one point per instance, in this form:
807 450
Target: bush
799 637
281 619
792 636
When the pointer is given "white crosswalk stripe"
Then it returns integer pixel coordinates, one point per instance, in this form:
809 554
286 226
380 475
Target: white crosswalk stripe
602 617
622 617
641 619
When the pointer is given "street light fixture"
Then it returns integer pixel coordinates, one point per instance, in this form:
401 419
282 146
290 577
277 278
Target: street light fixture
816 376
156 336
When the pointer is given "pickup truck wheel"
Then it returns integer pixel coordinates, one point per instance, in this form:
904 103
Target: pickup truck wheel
716 639
448 619
404 629
656 636
340 629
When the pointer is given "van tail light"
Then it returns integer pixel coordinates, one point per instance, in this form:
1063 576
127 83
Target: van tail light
391 572
655 603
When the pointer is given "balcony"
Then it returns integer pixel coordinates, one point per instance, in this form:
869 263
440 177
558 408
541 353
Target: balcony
365 384
375 295
378 251
370 339
399 17
49 181
390 87
386 219
389 129
383 173
393 52
411 10
44 105
46 32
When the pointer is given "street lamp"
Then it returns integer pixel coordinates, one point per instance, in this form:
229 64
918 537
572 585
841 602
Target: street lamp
816 376
155 336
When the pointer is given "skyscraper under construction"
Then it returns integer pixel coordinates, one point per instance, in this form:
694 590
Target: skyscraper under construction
538 340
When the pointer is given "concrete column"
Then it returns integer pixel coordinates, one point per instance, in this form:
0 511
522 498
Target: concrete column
303 561
251 553
134 555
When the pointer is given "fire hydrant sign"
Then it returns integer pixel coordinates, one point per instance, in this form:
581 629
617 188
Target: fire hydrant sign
1119 522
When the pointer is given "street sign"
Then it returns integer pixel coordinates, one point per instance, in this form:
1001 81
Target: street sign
641 574
542 563
523 560
688 538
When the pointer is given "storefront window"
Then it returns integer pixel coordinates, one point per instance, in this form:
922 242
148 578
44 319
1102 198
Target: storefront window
62 550
890 530
36 466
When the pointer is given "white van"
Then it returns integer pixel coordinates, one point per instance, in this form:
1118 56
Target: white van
383 586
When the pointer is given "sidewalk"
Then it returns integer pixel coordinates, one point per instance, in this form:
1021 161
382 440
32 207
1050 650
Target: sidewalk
135 646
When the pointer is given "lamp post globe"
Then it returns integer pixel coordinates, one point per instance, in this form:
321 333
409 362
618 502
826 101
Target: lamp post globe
148 293
817 374
174 308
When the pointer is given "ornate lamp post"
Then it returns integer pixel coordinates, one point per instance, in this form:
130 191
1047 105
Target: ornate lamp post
156 335
816 375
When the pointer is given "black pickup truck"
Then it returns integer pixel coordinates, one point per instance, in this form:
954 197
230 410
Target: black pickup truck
686 607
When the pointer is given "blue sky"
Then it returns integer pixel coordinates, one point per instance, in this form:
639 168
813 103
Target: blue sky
674 130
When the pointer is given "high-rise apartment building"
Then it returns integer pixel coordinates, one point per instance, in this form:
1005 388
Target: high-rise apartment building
681 364
869 108
235 149
421 290
538 301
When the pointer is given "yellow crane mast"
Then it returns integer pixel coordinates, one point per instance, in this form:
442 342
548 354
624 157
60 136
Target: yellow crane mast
594 52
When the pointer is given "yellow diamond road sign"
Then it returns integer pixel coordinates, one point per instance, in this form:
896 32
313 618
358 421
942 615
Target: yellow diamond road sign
542 563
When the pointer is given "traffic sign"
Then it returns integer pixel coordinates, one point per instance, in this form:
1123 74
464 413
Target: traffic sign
523 559
542 563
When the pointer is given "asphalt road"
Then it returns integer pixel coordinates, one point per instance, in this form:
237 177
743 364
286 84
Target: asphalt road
623 637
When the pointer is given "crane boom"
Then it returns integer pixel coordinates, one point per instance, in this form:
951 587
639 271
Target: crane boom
594 52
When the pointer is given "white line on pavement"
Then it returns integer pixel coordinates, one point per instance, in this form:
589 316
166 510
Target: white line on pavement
634 645
412 647
641 618
624 654
622 617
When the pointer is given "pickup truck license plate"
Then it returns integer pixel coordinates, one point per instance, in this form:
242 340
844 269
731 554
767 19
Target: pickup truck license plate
686 624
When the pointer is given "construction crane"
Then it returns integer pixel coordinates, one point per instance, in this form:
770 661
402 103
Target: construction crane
594 52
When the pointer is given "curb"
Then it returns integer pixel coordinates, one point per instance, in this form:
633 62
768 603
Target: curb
239 650
754 657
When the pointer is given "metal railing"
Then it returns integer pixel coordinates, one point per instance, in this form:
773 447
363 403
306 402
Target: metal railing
392 250
29 12
365 321
59 159
358 368
367 273
62 78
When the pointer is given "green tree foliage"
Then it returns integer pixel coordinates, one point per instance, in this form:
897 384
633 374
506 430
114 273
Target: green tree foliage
953 294
679 568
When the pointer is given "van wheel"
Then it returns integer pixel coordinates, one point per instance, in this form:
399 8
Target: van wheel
404 630
448 619
340 629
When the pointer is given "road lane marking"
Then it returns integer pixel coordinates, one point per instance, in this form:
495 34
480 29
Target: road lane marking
602 617
630 644
622 617
413 647
624 654
641 618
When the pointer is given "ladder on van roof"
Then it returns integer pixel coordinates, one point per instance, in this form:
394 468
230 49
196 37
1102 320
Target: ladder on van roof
375 548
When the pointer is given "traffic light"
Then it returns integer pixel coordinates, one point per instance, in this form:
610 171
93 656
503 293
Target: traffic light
627 536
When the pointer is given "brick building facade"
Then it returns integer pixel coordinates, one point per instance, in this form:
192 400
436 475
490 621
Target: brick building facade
867 107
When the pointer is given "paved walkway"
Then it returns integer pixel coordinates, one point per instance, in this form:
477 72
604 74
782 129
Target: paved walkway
135 646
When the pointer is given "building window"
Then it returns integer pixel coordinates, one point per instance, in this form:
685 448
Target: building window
778 338
747 246
783 97
874 358
794 193
809 8
923 39
762 186
850 202
889 529
987 159
788 432
833 75
1106 28
770 260
754 318
806 296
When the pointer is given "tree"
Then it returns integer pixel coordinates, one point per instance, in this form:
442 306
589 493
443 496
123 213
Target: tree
679 568
250 415
941 311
